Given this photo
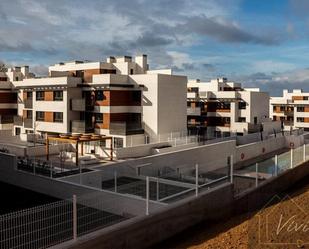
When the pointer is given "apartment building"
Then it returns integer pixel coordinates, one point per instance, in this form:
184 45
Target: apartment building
119 97
292 109
220 107
8 94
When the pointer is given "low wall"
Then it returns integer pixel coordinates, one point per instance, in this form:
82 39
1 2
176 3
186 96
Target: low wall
117 203
248 151
138 151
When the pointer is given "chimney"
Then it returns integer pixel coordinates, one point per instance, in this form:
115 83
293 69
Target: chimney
141 61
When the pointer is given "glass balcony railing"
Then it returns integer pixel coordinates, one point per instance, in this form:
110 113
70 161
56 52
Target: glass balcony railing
28 103
124 128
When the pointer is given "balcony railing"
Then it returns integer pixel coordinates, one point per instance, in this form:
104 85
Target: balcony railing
6 119
80 126
123 128
78 105
194 111
28 103
28 123
18 120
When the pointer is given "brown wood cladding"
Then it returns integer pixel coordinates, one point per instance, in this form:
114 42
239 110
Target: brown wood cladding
49 96
106 101
297 98
89 73
118 98
24 95
8 97
306 120
25 114
306 108
49 117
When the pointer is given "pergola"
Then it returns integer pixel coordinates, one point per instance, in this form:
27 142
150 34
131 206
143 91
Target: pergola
79 139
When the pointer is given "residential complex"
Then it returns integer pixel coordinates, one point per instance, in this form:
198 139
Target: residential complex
292 109
220 107
8 94
119 97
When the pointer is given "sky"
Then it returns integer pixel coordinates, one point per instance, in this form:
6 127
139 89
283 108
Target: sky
259 43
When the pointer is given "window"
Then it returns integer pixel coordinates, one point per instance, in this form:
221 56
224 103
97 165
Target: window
99 118
58 95
131 71
300 119
100 95
3 78
40 95
255 120
17 131
58 117
29 114
40 116
305 98
136 96
242 119
242 105
300 108
282 108
29 95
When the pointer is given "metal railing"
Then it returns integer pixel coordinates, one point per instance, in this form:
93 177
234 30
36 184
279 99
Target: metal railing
18 120
47 225
123 128
28 123
28 103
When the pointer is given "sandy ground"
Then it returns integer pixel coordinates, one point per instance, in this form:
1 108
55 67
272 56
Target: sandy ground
245 231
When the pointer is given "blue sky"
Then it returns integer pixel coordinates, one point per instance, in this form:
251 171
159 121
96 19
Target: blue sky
260 43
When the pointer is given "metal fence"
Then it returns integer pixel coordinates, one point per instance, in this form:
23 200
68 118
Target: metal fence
37 227
54 223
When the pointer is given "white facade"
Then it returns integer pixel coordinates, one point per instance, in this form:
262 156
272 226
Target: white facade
292 109
245 111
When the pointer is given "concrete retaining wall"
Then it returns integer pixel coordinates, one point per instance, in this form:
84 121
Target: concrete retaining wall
117 202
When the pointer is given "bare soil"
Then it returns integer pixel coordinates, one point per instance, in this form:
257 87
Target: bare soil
245 231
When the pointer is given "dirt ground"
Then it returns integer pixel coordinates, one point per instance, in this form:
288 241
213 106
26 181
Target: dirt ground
255 230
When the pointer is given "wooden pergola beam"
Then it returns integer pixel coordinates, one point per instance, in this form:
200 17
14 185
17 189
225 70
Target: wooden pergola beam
78 140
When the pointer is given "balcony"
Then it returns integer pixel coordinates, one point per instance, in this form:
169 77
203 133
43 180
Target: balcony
80 126
78 105
28 123
6 119
192 95
123 128
194 111
18 120
28 103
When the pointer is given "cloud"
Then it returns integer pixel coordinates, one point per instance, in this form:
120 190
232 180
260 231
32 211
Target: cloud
224 31
66 30
274 82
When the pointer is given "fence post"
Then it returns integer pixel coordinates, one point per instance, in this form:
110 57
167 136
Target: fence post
304 151
231 168
74 218
186 139
291 166
147 195
115 181
257 174
196 179
276 165
158 195
175 142
51 169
